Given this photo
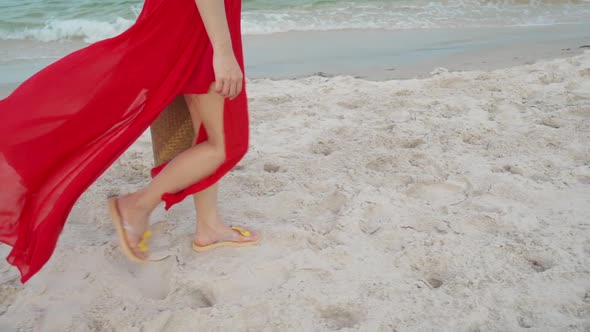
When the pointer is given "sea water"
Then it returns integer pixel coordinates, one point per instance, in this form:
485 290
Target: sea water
34 33
91 20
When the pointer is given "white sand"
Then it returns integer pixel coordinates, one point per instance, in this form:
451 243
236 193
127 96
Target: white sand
460 202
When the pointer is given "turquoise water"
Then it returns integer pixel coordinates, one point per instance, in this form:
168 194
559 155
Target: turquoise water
375 33
91 20
32 12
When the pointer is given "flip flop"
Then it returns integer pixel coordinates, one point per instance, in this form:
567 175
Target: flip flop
242 232
122 228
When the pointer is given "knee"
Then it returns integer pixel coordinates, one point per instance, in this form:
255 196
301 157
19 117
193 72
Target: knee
233 152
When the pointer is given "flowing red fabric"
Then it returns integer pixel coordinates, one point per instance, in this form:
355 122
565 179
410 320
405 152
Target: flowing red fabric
65 125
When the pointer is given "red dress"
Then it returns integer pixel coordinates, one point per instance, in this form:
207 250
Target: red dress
65 125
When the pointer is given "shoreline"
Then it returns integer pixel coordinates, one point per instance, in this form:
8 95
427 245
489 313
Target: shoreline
481 60
372 54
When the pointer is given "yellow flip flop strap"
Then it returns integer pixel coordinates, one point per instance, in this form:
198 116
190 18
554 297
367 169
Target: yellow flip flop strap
241 231
142 245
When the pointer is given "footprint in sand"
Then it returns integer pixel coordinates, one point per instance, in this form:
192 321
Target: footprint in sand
151 280
154 281
509 115
538 264
319 240
508 169
340 317
7 297
429 167
371 226
384 163
311 275
351 104
198 299
432 270
260 184
99 325
192 298
525 322
157 323
373 219
437 193
551 121
434 282
474 328
413 143
323 148
272 168
472 138
334 202
401 116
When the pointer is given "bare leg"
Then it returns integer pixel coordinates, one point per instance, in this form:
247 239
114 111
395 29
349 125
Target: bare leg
187 168
196 162
210 227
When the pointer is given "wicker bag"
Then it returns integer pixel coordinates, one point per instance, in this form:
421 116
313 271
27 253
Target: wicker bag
172 132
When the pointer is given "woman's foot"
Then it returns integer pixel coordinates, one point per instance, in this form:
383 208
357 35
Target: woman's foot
217 232
135 221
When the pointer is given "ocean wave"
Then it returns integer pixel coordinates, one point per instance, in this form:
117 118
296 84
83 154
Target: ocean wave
83 29
338 15
406 15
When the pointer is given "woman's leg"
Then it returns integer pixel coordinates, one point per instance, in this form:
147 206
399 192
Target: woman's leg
210 227
187 168
209 222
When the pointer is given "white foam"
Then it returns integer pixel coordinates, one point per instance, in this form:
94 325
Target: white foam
87 30
412 16
372 15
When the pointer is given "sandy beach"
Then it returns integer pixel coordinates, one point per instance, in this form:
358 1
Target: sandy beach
454 202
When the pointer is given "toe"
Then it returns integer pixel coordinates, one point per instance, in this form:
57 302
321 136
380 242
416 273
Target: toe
140 254
134 246
250 238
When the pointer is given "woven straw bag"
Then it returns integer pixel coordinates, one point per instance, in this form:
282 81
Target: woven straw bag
172 132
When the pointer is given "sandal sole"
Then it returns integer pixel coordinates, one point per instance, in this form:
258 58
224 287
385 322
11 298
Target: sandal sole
116 219
223 244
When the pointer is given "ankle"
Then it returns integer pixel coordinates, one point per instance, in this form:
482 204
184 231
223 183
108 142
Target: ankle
209 225
139 200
